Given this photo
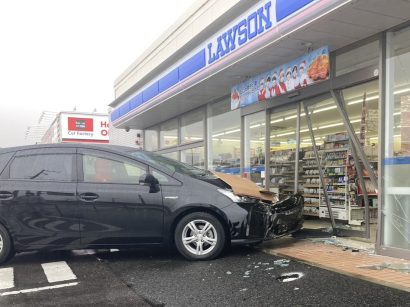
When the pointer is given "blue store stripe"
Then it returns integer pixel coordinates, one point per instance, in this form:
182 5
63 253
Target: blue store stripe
397 160
285 8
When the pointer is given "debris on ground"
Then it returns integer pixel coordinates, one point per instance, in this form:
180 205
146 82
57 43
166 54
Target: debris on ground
228 273
400 267
243 290
282 262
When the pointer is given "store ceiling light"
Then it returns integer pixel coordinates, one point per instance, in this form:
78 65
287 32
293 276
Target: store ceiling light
324 109
331 125
287 133
291 117
232 131
402 91
277 120
218 134
226 140
370 98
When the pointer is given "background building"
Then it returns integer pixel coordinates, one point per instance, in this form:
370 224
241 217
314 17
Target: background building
304 96
77 127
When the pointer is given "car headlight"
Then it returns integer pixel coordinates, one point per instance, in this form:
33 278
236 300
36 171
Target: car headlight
235 198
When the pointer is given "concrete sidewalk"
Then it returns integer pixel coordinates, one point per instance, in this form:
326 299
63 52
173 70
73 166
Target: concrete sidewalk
329 254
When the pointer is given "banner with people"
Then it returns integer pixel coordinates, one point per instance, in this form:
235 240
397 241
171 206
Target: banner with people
304 71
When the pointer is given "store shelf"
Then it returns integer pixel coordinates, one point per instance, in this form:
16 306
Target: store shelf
335 141
336 192
281 175
311 214
311 205
311 185
331 166
312 195
336 149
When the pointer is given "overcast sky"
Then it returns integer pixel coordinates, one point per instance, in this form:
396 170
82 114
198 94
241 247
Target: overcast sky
59 54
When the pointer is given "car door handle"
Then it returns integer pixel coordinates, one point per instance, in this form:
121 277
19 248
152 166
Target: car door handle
88 197
6 195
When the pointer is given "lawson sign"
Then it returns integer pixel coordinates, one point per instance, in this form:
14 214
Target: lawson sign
260 18
257 20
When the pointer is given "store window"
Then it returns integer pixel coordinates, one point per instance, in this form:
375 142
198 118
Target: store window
254 166
396 207
169 133
192 126
282 151
358 58
362 107
151 139
224 141
171 155
194 156
334 153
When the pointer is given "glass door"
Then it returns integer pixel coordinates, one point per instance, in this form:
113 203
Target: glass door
254 149
339 133
282 151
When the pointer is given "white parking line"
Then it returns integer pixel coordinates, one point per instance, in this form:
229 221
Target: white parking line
6 278
58 271
39 289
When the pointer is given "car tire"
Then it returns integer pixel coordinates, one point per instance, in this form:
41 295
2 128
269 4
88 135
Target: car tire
6 245
194 242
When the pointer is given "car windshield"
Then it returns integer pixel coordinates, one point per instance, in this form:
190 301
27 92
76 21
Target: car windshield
172 165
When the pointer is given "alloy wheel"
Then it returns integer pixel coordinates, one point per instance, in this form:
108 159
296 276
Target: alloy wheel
199 237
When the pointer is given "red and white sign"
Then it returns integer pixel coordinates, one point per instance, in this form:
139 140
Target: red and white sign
84 128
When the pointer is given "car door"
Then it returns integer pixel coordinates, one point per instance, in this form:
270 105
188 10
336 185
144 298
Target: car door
38 192
115 208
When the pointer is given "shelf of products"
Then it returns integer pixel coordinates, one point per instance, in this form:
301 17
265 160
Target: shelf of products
282 172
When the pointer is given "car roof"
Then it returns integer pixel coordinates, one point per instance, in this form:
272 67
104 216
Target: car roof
116 148
106 147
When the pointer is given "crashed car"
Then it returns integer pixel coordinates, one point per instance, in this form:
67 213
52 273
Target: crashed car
75 196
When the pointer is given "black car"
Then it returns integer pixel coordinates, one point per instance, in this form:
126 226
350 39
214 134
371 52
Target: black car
73 196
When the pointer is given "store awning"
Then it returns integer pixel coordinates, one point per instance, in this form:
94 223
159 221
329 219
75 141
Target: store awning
335 27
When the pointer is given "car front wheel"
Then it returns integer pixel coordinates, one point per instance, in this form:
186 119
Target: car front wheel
199 236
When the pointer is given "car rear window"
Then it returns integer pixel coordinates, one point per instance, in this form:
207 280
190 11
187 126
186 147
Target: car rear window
57 167
4 159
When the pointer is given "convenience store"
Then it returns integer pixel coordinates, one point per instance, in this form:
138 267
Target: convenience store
310 96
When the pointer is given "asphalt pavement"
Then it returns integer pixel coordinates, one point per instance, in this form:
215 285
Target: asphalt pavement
242 277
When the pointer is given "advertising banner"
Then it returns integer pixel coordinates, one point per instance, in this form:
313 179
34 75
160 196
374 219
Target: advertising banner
297 74
84 128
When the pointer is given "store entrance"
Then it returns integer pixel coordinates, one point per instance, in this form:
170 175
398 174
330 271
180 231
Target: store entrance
327 149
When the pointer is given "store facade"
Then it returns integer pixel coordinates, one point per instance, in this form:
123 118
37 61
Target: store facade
338 134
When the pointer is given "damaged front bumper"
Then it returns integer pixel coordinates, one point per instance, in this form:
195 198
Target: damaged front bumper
265 221
286 218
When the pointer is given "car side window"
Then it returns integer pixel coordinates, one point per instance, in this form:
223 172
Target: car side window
4 159
53 167
101 169
163 178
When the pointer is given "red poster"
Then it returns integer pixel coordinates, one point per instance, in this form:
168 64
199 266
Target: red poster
80 124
